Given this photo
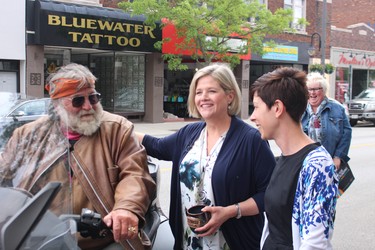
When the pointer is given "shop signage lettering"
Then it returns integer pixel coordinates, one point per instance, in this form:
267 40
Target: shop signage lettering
284 53
110 40
88 31
368 62
85 23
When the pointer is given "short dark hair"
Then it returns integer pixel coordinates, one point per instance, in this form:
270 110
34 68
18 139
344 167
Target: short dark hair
285 84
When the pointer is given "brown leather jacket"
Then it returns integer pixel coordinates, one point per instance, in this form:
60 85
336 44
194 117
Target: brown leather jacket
108 169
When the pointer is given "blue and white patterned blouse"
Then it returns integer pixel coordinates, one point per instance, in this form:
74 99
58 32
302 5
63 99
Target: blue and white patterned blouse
314 203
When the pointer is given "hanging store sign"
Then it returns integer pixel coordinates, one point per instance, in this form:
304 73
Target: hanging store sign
281 53
98 28
366 62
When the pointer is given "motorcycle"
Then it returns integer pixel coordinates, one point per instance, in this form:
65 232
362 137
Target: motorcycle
30 222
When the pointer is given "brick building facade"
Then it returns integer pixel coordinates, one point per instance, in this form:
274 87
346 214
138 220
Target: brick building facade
352 47
348 12
341 41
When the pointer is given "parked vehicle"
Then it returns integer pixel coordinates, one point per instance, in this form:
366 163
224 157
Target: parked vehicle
30 222
16 111
362 107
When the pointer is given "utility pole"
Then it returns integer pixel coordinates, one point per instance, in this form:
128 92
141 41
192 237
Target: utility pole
324 28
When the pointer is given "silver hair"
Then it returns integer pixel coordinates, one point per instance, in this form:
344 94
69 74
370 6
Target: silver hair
74 71
316 77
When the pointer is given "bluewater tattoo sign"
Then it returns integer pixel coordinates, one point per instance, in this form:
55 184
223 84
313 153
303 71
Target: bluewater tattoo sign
69 25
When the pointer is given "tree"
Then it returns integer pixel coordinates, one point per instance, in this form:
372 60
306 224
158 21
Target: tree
207 27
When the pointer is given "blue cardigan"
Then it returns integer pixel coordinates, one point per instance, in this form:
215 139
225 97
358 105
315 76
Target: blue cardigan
243 169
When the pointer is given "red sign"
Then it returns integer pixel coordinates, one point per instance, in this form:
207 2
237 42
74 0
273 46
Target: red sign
169 47
368 62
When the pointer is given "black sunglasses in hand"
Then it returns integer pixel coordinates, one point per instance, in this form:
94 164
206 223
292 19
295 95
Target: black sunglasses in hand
78 101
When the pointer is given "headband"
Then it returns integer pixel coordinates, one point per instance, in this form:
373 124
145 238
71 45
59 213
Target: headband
64 87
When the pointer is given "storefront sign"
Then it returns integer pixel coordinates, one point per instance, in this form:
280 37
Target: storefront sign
281 53
101 31
171 45
235 45
356 61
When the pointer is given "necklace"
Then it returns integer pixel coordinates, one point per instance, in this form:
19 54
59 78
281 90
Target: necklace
201 195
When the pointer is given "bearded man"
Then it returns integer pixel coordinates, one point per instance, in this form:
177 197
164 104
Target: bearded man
94 154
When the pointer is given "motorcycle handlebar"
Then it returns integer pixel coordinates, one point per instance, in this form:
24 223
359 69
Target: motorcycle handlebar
90 224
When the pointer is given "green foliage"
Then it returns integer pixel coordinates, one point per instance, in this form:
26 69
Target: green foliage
316 68
195 20
329 68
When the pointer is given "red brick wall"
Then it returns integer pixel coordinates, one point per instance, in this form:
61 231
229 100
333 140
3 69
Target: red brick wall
314 10
110 3
354 40
348 12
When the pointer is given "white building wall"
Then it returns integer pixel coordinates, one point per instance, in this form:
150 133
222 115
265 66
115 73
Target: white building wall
12 29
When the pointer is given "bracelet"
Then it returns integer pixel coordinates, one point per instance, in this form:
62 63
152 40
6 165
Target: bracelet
239 215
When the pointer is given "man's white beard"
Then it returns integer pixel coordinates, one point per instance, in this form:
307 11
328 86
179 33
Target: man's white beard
74 122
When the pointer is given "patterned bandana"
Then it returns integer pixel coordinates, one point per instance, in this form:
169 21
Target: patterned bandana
65 87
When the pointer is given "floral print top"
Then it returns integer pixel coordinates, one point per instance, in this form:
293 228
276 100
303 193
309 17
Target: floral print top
195 181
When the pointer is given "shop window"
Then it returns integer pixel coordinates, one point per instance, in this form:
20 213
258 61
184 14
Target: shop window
359 82
342 91
121 81
102 65
9 65
176 91
371 82
129 83
52 61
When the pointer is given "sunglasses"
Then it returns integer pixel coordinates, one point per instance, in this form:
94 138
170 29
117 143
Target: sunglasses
78 101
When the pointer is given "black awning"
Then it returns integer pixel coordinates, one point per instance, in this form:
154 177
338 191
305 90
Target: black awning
88 10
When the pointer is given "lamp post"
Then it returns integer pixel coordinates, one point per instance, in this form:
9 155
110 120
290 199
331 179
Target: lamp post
322 39
313 50
324 27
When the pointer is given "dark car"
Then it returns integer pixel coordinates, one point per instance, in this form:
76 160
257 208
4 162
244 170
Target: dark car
16 111
362 107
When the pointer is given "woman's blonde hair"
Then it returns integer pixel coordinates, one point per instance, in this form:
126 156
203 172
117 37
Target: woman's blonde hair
224 75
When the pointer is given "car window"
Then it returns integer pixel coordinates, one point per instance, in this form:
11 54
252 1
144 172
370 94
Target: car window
7 101
34 107
368 93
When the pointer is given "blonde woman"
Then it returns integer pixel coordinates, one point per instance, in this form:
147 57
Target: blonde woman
220 162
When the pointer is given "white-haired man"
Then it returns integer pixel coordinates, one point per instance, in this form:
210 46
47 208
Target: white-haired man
93 153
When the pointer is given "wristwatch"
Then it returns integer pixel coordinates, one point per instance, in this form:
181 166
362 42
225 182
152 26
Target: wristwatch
239 215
